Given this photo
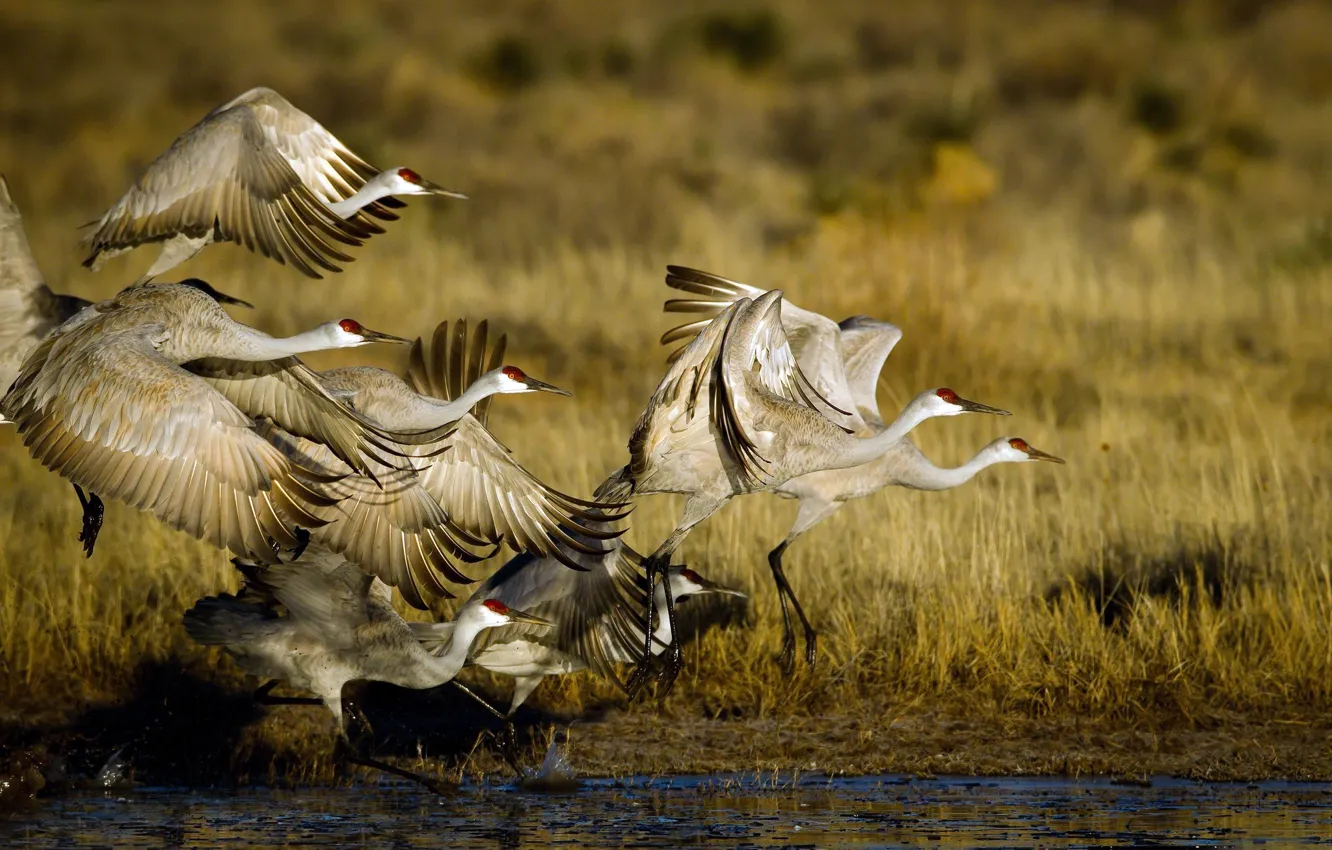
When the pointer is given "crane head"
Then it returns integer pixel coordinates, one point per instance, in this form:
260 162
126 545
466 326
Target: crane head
687 582
495 613
945 402
1018 450
511 379
349 333
405 181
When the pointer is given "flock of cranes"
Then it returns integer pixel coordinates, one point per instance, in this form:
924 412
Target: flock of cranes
332 488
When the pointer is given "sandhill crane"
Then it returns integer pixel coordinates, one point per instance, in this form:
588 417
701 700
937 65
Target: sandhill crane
735 414
339 626
29 310
258 172
596 611
844 359
409 526
104 401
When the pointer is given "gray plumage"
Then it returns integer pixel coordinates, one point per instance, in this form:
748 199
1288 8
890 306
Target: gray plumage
337 625
845 360
107 401
258 172
414 528
29 310
596 612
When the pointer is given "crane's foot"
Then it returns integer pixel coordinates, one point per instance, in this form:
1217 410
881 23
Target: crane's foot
93 514
811 646
642 674
787 657
670 671
346 751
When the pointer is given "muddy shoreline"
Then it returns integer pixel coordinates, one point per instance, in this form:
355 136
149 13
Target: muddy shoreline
218 737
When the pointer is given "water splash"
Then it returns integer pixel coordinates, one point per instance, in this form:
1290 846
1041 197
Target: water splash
556 775
115 773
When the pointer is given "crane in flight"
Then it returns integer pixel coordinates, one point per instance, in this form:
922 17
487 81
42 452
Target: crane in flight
107 400
339 625
735 414
412 527
844 360
259 172
29 310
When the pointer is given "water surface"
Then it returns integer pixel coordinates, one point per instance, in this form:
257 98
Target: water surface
727 811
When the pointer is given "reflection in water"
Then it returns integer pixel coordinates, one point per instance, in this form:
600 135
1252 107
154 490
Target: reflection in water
949 812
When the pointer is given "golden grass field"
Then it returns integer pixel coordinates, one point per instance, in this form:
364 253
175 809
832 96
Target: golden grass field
1112 222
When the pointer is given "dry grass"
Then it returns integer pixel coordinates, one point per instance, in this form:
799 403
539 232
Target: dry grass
1145 283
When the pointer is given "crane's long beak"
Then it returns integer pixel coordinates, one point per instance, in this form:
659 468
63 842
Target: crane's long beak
543 387
517 616
378 336
976 407
1036 454
436 189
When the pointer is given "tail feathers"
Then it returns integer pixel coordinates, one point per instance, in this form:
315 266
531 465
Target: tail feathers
227 621
618 488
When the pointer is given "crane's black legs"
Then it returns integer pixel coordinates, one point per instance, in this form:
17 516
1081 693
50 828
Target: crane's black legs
657 566
93 513
643 670
784 592
264 696
508 739
345 750
674 655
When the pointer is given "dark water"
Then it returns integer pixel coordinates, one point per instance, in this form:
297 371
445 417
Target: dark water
700 811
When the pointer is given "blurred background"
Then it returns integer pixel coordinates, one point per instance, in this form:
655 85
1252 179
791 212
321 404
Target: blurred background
1144 124
1113 218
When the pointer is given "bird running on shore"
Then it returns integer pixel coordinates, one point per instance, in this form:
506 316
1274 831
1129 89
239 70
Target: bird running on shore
734 415
844 360
337 625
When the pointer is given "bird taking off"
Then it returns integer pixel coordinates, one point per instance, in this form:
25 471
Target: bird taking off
844 360
258 172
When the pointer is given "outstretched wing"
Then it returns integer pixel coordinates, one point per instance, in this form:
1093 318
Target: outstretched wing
814 338
324 164
597 611
390 526
292 395
453 364
225 177
29 310
755 349
677 417
866 344
490 496
323 591
115 417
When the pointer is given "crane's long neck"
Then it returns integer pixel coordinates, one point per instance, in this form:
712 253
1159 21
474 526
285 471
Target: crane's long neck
443 667
245 343
368 194
434 412
924 475
866 449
